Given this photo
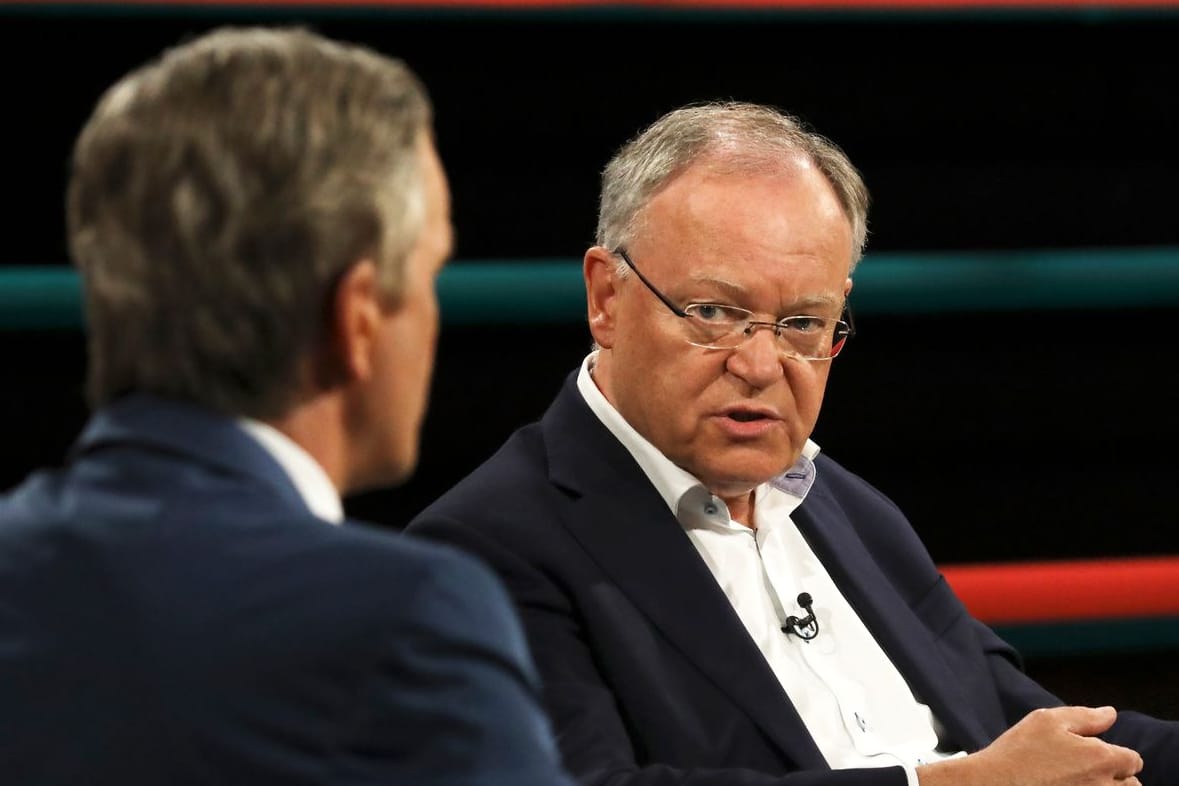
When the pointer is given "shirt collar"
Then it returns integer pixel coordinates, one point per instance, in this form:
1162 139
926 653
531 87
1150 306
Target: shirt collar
317 490
671 481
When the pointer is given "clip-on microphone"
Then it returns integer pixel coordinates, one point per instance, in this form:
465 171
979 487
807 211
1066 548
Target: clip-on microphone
805 628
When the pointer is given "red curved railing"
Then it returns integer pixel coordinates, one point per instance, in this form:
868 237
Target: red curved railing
1029 592
736 5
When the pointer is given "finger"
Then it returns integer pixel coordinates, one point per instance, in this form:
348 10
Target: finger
1134 760
1087 721
1127 762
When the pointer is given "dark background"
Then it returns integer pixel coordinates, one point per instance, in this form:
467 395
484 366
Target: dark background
1005 435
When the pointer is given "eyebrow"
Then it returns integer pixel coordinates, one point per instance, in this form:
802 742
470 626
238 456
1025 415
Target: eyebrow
738 292
734 291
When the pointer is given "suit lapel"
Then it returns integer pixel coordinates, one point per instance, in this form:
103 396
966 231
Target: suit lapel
623 523
899 632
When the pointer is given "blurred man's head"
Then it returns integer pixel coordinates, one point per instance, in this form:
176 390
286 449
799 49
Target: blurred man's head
231 200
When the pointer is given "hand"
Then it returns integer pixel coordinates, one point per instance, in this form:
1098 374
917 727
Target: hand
1049 747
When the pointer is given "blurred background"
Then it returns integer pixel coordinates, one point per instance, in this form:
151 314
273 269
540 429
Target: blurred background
1013 382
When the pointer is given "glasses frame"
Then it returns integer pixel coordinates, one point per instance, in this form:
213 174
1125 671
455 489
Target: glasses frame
848 322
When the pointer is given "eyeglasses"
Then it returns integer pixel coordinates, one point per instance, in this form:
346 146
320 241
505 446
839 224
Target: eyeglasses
717 326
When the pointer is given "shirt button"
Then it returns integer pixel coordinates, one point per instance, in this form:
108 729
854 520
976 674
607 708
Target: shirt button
710 509
862 722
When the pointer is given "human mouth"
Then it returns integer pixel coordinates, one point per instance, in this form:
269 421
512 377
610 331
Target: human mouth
747 423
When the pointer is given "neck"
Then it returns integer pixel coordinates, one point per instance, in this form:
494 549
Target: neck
314 426
741 508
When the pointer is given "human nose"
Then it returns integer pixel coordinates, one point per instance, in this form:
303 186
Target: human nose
758 359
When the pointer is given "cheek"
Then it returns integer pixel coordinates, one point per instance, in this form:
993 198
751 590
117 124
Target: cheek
430 345
689 390
424 323
808 386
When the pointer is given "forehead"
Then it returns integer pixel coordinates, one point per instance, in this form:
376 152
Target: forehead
779 233
438 229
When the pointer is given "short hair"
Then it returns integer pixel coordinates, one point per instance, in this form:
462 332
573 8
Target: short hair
736 135
217 195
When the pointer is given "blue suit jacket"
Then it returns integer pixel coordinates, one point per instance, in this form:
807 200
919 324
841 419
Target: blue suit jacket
171 613
650 676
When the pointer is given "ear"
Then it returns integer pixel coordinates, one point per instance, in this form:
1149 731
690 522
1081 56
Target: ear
356 320
601 290
847 288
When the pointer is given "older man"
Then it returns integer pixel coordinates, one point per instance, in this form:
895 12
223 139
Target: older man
710 600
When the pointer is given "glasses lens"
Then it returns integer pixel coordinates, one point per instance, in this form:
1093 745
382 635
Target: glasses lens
811 337
842 334
714 325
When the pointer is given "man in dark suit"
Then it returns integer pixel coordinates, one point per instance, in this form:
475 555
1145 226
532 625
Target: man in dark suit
711 601
258 217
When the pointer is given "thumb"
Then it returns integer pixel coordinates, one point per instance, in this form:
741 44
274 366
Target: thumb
1088 721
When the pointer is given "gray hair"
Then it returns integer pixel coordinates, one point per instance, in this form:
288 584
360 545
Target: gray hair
738 136
216 196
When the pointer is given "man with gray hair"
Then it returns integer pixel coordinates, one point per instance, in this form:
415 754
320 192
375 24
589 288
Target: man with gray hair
710 600
258 217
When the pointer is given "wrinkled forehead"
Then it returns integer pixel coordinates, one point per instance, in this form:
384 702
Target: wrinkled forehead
784 230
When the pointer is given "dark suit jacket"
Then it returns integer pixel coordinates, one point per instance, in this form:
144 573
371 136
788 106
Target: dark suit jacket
648 673
172 614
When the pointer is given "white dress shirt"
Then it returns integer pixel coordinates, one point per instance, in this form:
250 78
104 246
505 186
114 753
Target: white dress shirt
312 483
854 702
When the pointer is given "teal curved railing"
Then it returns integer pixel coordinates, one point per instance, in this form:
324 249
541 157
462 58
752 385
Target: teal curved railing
489 292
1093 637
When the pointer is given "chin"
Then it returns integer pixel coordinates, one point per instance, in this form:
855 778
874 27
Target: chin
400 472
724 478
384 474
737 480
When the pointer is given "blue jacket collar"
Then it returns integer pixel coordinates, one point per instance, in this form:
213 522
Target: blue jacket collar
189 430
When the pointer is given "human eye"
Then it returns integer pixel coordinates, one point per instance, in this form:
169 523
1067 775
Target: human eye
805 325
716 314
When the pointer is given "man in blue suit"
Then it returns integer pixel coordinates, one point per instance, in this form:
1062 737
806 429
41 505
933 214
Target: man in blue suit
258 217
710 600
